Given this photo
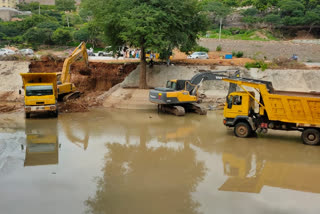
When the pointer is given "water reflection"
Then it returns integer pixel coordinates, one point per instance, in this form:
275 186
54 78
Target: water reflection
144 179
273 165
73 127
42 142
141 162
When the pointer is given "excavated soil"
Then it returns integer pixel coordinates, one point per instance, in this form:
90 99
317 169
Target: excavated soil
91 81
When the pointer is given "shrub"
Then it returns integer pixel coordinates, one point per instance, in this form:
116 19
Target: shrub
238 54
61 36
219 48
257 64
199 48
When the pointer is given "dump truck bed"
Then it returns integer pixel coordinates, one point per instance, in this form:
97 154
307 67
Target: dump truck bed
293 107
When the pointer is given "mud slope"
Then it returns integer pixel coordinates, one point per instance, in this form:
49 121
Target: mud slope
92 81
98 77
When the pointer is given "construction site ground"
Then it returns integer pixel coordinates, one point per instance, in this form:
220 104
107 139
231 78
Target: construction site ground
103 74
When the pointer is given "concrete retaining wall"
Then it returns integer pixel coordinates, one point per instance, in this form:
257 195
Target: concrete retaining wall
292 80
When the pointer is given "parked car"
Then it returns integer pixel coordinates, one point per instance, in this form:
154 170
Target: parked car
198 55
107 52
26 51
90 52
5 52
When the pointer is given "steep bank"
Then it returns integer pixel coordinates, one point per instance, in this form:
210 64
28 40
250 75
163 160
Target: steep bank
91 81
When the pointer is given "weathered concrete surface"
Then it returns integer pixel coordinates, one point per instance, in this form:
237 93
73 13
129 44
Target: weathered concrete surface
291 79
129 99
269 49
158 75
11 80
215 91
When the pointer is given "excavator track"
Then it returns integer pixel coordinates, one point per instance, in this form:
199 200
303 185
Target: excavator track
71 96
195 107
176 110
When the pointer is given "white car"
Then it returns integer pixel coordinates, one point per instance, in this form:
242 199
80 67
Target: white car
198 55
107 52
6 52
26 51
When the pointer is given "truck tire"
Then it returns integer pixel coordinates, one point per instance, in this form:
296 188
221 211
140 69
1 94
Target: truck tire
310 136
100 54
27 115
242 130
56 113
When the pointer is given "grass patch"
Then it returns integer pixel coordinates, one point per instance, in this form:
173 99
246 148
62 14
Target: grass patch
242 34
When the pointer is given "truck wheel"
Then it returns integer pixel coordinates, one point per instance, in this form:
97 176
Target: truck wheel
56 113
311 136
27 115
242 130
100 54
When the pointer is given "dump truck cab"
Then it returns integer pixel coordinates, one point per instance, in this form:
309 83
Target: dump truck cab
239 104
239 109
40 93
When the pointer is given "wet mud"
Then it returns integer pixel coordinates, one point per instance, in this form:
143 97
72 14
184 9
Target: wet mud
120 161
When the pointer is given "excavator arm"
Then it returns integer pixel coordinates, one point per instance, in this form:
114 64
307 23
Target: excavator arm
80 50
197 79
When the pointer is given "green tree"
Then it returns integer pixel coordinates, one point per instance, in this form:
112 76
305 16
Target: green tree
312 17
85 14
149 24
292 12
66 5
292 8
11 29
34 20
49 24
38 36
263 5
273 19
217 9
28 6
2 36
71 19
82 34
61 36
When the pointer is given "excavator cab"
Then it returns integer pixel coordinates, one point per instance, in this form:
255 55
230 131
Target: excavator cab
176 85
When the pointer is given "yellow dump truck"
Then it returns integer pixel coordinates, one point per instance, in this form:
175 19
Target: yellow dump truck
42 142
280 110
40 93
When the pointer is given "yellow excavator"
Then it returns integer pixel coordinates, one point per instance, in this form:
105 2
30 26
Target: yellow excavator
180 96
66 89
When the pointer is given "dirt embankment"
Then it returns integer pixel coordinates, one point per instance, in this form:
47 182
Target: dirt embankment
90 81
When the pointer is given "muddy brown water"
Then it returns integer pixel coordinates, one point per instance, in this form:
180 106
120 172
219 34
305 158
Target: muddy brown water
112 161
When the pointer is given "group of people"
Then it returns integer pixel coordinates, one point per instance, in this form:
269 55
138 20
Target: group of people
131 53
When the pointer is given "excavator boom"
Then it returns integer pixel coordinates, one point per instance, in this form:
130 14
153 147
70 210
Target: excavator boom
67 90
80 50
